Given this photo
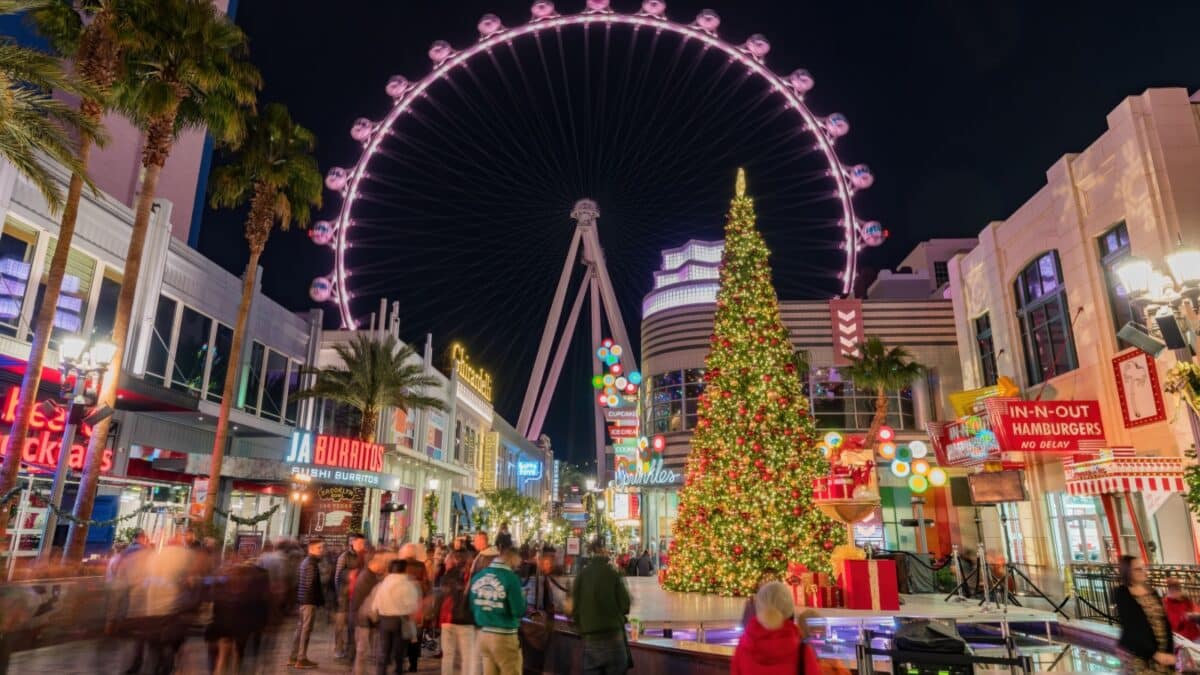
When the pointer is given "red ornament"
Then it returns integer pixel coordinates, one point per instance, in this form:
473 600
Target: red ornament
759 463
796 510
774 342
795 495
757 446
767 377
776 553
750 321
726 343
787 431
762 339
789 368
828 544
726 394
737 550
740 440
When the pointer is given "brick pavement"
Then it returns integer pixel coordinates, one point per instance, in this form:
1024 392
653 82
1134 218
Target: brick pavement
112 656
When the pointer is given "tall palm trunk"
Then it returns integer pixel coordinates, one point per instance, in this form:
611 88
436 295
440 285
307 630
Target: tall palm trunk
158 146
42 328
258 227
366 428
881 407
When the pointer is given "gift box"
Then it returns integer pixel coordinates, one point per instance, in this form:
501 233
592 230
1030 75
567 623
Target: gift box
870 584
831 596
820 488
841 488
813 596
800 585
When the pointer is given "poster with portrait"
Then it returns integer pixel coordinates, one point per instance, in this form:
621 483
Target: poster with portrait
1138 388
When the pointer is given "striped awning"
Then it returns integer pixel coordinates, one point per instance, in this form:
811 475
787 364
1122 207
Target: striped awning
1121 484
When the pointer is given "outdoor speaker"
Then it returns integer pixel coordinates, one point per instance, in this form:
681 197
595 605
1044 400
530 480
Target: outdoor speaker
1171 331
1133 334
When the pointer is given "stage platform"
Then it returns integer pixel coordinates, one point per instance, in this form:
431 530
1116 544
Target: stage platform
655 609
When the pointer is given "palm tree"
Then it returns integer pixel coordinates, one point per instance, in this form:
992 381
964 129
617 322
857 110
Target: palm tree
881 369
185 67
275 171
32 123
376 374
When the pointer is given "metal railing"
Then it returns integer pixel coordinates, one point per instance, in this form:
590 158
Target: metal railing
1094 585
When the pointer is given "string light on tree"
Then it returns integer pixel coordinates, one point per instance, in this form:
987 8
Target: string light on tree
746 506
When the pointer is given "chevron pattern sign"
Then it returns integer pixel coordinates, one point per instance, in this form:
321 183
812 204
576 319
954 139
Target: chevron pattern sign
846 317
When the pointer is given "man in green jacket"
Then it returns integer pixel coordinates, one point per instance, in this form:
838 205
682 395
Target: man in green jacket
498 603
600 600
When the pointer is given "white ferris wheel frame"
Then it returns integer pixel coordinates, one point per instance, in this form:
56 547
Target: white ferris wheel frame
545 18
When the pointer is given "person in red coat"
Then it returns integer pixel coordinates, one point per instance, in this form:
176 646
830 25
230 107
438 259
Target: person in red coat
1182 613
771 642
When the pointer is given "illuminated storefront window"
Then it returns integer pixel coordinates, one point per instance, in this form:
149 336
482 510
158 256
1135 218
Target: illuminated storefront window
838 404
671 400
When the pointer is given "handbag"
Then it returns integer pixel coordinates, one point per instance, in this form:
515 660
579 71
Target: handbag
538 624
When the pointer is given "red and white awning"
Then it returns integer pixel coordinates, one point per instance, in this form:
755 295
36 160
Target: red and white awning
1093 487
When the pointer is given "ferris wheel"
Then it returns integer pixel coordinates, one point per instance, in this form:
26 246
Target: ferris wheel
455 69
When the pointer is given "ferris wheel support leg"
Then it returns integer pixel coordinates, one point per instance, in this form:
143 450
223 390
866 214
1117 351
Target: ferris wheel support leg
600 468
593 252
543 354
560 355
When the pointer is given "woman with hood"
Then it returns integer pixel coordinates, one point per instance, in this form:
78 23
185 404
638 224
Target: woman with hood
772 643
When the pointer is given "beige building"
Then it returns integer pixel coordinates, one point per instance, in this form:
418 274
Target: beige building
1039 300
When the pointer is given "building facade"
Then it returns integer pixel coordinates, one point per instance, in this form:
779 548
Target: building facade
1039 300
677 321
172 378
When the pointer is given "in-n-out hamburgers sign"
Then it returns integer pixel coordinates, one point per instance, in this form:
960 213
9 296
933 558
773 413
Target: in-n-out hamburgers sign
336 459
42 446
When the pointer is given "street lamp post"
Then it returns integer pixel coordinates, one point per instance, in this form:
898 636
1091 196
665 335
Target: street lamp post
86 361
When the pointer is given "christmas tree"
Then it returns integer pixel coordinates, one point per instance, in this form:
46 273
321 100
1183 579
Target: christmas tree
746 505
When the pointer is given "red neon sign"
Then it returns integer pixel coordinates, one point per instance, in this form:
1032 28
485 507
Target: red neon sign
43 444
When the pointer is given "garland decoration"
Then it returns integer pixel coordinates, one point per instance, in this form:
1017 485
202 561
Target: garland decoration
251 521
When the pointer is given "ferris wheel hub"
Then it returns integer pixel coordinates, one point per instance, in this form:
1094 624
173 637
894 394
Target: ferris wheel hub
586 211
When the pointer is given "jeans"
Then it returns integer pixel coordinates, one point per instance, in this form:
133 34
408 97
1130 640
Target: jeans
340 634
501 653
304 626
362 648
392 645
458 644
605 655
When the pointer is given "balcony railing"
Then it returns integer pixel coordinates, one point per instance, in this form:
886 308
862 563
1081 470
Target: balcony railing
1094 585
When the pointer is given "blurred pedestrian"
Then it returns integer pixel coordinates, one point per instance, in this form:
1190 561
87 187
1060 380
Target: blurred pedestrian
1182 613
360 608
645 564
772 643
498 605
456 618
310 595
240 597
1146 641
349 562
415 570
394 601
504 540
600 602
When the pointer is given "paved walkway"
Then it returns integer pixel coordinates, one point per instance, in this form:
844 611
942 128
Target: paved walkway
112 656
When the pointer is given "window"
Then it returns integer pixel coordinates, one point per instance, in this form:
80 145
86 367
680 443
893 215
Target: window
17 246
1114 250
160 340
941 273
106 305
1045 319
75 291
838 404
191 351
253 379
293 403
222 345
273 385
986 349
458 440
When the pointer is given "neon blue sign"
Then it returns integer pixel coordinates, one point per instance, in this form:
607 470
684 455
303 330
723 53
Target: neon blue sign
529 470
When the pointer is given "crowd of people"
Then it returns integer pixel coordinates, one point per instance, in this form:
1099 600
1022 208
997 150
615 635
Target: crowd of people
387 608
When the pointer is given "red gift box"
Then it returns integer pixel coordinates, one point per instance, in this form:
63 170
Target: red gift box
831 596
820 488
870 584
841 488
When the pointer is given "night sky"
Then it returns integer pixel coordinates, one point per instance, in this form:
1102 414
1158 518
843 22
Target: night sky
958 107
